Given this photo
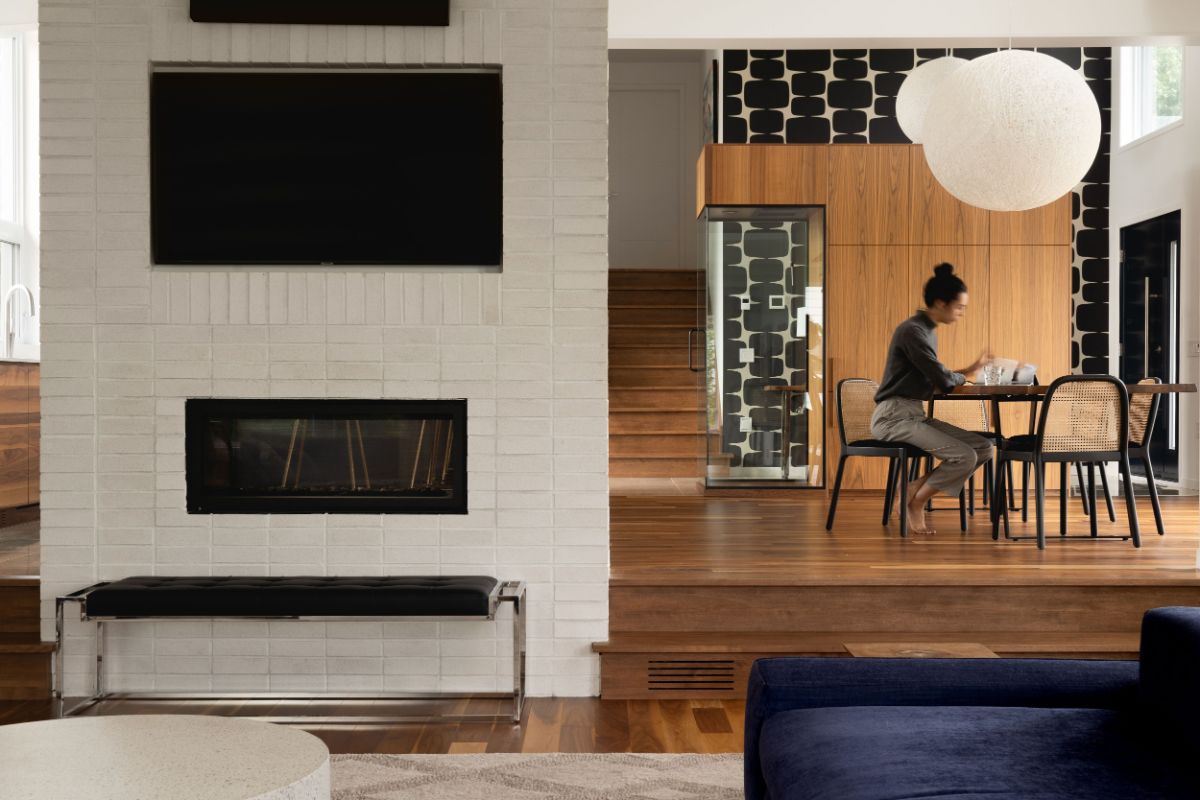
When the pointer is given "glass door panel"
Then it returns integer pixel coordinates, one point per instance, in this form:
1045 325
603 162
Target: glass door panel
764 330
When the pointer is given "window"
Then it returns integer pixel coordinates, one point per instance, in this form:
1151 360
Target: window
18 205
1151 90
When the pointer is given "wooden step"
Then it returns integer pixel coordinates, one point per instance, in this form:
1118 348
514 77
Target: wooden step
24 658
24 667
654 296
624 377
655 467
654 278
977 605
675 317
687 445
670 336
654 397
653 356
661 664
644 422
20 606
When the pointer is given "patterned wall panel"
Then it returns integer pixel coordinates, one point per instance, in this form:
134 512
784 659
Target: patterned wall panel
764 274
848 96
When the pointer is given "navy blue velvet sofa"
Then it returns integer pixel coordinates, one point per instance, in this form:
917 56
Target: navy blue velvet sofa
993 729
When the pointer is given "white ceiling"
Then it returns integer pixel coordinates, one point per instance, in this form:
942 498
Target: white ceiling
701 24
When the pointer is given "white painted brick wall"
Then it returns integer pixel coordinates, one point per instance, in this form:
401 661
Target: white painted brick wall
124 344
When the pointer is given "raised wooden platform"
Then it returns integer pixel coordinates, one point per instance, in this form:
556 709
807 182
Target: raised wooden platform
701 585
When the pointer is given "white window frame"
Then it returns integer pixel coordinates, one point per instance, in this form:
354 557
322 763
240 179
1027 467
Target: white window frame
1134 105
21 230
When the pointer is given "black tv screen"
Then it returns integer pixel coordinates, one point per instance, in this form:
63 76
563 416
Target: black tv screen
371 167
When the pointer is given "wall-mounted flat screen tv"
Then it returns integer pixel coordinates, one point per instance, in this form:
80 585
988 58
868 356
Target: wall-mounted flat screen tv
348 167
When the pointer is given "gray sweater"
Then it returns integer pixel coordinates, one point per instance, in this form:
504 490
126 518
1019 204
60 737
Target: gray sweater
913 370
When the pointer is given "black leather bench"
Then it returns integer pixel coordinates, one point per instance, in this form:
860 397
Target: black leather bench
158 597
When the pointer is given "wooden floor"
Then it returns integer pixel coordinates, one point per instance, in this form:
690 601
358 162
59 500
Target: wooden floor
19 550
670 532
550 725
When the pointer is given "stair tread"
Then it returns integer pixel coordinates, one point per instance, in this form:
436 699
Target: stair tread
806 642
26 647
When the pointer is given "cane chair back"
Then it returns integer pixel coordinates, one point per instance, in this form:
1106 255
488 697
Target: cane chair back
1084 414
1141 414
969 415
856 404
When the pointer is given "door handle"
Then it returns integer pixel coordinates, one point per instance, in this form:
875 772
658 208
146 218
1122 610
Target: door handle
692 348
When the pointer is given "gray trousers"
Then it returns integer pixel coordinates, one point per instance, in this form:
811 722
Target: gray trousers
899 419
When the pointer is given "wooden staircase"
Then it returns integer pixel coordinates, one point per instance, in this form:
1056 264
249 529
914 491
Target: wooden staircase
24 657
654 400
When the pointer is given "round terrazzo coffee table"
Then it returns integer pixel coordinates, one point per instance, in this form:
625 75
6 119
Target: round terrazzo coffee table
183 757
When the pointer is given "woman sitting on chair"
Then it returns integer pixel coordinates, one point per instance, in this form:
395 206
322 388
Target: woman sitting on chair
913 375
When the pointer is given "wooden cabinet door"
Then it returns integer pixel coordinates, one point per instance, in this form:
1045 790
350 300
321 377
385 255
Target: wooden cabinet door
939 217
33 406
869 200
1048 225
870 293
14 436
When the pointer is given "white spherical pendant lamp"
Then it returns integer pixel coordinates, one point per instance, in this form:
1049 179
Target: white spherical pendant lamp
918 89
1011 130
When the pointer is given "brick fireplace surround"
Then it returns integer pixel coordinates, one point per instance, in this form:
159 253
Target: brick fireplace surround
125 343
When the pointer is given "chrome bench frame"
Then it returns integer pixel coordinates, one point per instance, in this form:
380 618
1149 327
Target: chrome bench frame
504 592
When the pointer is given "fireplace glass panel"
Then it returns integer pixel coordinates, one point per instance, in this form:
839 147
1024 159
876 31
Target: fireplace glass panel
312 456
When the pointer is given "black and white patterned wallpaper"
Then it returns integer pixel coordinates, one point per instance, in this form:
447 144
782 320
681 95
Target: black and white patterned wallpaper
836 96
763 288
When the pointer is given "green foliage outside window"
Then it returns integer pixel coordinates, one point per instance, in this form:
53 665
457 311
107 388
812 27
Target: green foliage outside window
1168 64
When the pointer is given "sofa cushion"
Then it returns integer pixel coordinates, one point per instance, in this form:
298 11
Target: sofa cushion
960 752
303 596
1170 689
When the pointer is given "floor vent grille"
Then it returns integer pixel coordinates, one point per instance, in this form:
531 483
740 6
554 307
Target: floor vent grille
667 675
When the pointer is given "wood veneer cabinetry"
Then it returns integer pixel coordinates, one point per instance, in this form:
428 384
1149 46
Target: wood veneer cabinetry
20 434
888 223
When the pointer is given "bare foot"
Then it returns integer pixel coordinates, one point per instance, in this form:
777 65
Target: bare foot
916 514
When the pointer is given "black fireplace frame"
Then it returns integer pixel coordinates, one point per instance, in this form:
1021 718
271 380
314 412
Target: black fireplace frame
205 500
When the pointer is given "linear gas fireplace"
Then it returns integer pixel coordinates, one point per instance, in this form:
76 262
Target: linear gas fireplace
326 456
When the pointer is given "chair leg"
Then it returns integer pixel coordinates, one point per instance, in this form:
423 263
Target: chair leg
1083 496
1091 493
962 509
1112 514
837 488
971 494
1039 477
1153 494
1012 498
929 469
998 509
988 484
1025 468
1063 497
890 492
1130 505
903 496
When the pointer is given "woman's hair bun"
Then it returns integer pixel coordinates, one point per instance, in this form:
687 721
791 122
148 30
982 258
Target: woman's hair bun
945 269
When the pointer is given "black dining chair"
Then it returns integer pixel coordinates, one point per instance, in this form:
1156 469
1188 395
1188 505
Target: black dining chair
1143 412
1083 419
855 405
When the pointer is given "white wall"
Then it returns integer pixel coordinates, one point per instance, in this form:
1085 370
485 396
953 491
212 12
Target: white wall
775 24
643 231
18 12
124 344
1154 176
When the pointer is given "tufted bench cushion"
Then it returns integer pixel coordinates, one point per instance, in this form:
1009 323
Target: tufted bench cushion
293 596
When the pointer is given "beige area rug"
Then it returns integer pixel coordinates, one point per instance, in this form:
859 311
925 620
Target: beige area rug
570 776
